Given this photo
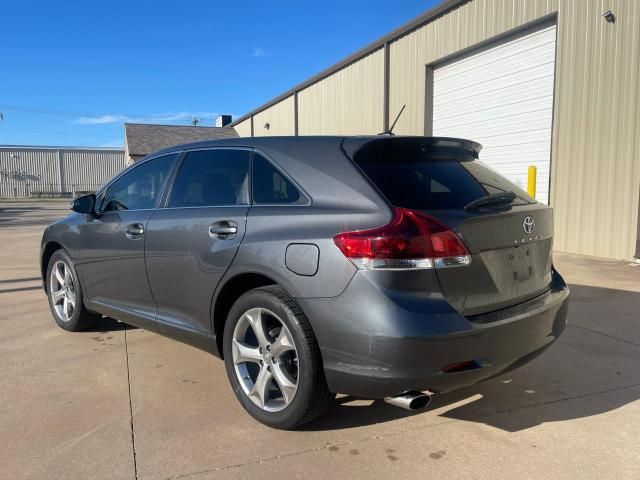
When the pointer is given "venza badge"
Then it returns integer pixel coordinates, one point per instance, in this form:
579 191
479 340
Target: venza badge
528 225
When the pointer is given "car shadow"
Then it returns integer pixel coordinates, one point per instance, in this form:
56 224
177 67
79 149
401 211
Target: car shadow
487 406
351 412
588 371
108 324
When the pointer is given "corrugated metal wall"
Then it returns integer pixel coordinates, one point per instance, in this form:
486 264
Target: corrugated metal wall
595 159
279 118
349 102
26 171
596 142
22 169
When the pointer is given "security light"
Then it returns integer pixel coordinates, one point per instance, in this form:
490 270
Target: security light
609 16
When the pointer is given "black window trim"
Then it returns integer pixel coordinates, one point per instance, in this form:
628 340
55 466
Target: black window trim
183 155
159 201
307 198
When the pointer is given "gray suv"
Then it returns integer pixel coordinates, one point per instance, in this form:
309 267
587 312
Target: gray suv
378 266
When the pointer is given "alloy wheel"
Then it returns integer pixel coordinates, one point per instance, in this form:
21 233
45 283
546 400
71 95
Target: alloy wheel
265 359
62 291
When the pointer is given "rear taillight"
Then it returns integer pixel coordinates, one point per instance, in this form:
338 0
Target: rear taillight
412 240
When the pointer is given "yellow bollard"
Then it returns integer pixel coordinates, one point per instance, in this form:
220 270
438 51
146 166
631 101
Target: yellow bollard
531 181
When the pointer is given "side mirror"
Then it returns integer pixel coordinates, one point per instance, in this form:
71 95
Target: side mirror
84 204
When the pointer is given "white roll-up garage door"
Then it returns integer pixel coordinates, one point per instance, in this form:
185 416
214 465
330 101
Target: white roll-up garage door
502 97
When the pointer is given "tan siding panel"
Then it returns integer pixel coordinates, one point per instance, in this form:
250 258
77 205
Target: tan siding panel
278 116
349 102
244 128
596 151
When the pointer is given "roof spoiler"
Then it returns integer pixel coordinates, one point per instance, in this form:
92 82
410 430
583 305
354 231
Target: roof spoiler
444 148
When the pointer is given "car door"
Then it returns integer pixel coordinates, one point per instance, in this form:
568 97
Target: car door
112 243
192 241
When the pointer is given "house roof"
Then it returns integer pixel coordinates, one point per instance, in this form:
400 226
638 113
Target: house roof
61 147
142 139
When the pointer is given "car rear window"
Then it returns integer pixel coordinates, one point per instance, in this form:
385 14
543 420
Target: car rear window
270 186
420 179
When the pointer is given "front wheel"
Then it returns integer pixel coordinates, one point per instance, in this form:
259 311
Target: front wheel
273 360
65 294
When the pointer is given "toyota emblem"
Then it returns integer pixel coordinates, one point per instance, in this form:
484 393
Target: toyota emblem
528 225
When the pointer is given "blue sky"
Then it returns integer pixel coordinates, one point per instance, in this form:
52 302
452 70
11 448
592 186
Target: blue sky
87 66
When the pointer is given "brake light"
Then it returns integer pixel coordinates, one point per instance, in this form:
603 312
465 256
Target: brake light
411 240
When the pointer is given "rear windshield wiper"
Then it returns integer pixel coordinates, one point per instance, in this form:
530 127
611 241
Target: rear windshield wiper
500 200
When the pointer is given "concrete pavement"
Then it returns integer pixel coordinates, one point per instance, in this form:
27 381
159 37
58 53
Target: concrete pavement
119 402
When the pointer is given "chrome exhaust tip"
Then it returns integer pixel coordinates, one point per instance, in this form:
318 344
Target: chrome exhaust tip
410 400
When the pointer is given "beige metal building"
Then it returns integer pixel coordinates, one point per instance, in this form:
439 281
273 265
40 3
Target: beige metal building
551 83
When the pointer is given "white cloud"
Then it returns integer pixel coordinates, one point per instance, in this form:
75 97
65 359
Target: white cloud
100 120
153 118
259 52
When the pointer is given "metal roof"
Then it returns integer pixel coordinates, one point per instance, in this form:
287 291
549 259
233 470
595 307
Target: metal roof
408 27
60 147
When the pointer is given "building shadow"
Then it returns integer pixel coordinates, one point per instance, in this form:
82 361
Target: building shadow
12 216
8 208
20 280
20 289
589 371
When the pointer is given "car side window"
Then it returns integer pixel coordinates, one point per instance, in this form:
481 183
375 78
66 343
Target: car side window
270 186
212 177
139 188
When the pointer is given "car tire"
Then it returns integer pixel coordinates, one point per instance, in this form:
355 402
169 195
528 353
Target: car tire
295 358
65 294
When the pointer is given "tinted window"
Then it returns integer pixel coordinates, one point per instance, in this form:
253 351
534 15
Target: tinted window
425 179
493 182
212 177
270 185
141 187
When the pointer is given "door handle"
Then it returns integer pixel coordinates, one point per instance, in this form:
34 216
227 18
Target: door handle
223 230
134 231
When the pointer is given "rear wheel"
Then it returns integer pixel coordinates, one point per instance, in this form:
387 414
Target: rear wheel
65 294
273 360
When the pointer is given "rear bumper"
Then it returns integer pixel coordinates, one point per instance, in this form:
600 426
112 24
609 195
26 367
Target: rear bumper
375 344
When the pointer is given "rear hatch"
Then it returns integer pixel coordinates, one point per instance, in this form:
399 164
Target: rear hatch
508 234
